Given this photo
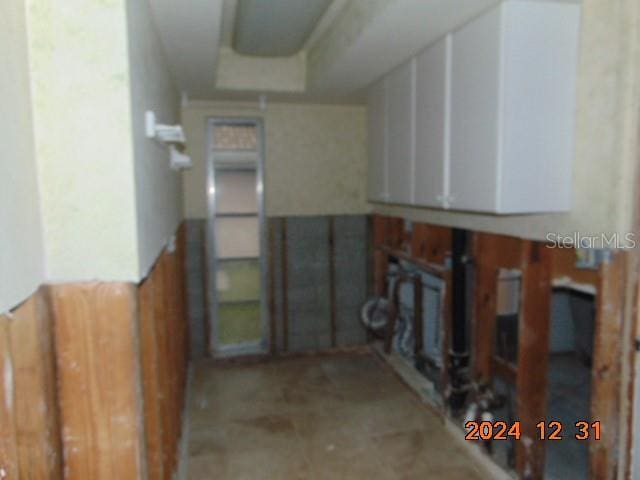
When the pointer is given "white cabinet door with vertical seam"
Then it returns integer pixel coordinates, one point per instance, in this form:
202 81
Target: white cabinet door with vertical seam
431 174
400 127
377 182
475 114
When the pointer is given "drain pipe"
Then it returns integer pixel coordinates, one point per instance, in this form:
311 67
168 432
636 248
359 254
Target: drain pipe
459 381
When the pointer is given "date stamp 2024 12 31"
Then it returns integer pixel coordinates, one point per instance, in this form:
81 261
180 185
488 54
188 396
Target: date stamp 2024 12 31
553 430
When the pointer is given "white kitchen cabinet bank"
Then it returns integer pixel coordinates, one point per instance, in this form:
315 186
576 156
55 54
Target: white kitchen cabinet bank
482 120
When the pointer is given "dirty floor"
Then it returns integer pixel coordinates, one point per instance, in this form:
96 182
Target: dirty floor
338 417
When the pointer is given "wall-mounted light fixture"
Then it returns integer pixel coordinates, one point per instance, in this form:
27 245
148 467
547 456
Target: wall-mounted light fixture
162 133
169 135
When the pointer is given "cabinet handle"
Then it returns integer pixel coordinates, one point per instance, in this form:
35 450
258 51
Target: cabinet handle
444 201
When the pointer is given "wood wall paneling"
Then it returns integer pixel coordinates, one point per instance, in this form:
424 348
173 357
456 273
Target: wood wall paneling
76 361
8 437
30 434
37 427
150 361
97 360
172 365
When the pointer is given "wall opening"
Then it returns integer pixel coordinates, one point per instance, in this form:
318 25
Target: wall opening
569 388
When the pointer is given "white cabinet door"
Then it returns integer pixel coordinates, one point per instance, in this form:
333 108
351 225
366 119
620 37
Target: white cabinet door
431 174
539 66
378 191
400 132
475 113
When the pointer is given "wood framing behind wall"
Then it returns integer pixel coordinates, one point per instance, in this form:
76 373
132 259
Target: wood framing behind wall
540 270
93 377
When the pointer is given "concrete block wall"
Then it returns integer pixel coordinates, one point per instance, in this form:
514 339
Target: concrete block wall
306 243
352 272
308 283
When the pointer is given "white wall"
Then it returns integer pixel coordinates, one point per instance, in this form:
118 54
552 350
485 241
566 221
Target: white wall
158 188
108 197
80 86
21 264
315 157
605 160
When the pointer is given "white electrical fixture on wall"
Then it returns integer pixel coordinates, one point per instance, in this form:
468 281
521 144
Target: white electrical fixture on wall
178 160
483 119
169 135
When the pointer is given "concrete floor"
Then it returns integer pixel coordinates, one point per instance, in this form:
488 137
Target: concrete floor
338 417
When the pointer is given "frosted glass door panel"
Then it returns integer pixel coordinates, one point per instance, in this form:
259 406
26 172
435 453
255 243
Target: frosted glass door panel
238 280
236 192
237 237
238 297
239 323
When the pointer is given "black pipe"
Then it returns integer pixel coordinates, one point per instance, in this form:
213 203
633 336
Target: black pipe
459 353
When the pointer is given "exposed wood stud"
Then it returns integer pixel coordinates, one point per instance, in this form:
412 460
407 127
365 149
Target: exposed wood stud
417 317
381 263
607 356
533 356
370 261
380 230
485 300
419 240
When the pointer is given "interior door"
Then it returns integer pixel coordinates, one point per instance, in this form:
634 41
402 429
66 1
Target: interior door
235 241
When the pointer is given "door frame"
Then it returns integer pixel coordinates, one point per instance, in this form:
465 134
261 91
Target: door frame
245 348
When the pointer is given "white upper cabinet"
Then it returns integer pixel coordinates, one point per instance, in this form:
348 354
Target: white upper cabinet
400 132
431 173
512 108
483 120
378 189
475 116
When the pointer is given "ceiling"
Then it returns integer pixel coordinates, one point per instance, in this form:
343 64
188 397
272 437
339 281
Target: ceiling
332 49
275 28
